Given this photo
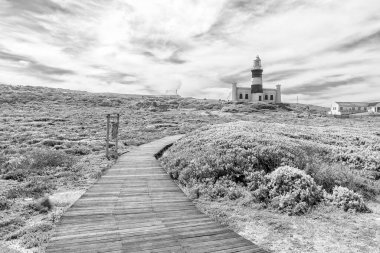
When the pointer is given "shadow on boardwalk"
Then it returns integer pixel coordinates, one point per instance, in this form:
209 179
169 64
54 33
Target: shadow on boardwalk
136 207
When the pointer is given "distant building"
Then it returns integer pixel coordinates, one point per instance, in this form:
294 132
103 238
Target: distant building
256 93
345 108
374 107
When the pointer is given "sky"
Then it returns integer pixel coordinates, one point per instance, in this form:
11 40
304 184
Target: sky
319 51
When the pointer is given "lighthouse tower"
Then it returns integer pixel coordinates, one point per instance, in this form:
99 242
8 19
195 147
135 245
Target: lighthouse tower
257 80
256 93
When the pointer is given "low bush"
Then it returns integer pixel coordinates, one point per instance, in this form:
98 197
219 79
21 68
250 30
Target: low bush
347 199
8 226
331 175
42 205
37 162
16 169
215 159
3 160
223 188
78 151
51 143
32 236
289 190
35 188
4 203
42 158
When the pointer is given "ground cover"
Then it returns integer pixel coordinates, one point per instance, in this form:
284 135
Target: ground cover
52 144
252 175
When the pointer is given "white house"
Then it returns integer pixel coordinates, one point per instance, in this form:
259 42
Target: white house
374 107
256 93
344 108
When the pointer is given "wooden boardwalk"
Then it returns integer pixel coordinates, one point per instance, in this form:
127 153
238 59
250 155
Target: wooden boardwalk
136 207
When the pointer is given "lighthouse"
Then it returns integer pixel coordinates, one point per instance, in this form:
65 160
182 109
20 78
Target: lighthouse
256 93
257 80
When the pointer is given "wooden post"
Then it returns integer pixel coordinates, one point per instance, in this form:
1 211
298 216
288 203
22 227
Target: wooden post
108 136
117 135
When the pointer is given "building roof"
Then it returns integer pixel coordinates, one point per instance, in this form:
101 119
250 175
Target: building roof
357 104
373 103
353 104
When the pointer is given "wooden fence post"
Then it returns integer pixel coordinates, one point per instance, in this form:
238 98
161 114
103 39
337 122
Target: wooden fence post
108 136
117 135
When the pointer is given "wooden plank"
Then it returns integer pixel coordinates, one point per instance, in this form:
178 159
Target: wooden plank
136 207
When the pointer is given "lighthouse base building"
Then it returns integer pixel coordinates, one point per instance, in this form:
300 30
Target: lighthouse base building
256 93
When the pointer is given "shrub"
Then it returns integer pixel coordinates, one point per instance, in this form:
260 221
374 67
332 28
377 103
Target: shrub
330 176
16 174
36 162
3 160
42 158
51 143
256 179
234 150
78 150
223 188
34 188
4 203
289 190
347 199
8 226
32 236
42 205
16 169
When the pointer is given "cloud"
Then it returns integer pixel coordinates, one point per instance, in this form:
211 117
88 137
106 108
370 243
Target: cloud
117 77
284 74
322 87
368 41
35 6
34 67
150 46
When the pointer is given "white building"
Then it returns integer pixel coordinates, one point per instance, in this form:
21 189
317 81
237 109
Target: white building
256 93
344 108
374 107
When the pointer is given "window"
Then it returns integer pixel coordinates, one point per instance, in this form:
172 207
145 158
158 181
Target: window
259 98
266 97
241 96
246 96
271 97
341 108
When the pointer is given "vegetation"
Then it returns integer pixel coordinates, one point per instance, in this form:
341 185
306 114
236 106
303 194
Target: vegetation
237 170
52 149
290 190
347 199
234 155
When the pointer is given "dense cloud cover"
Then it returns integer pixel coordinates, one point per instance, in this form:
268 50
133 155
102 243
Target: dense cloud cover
320 51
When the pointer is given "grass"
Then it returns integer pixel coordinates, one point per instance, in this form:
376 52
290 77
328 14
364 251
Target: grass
326 229
234 151
52 144
231 171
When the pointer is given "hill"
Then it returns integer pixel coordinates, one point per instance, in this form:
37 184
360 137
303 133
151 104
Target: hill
52 144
